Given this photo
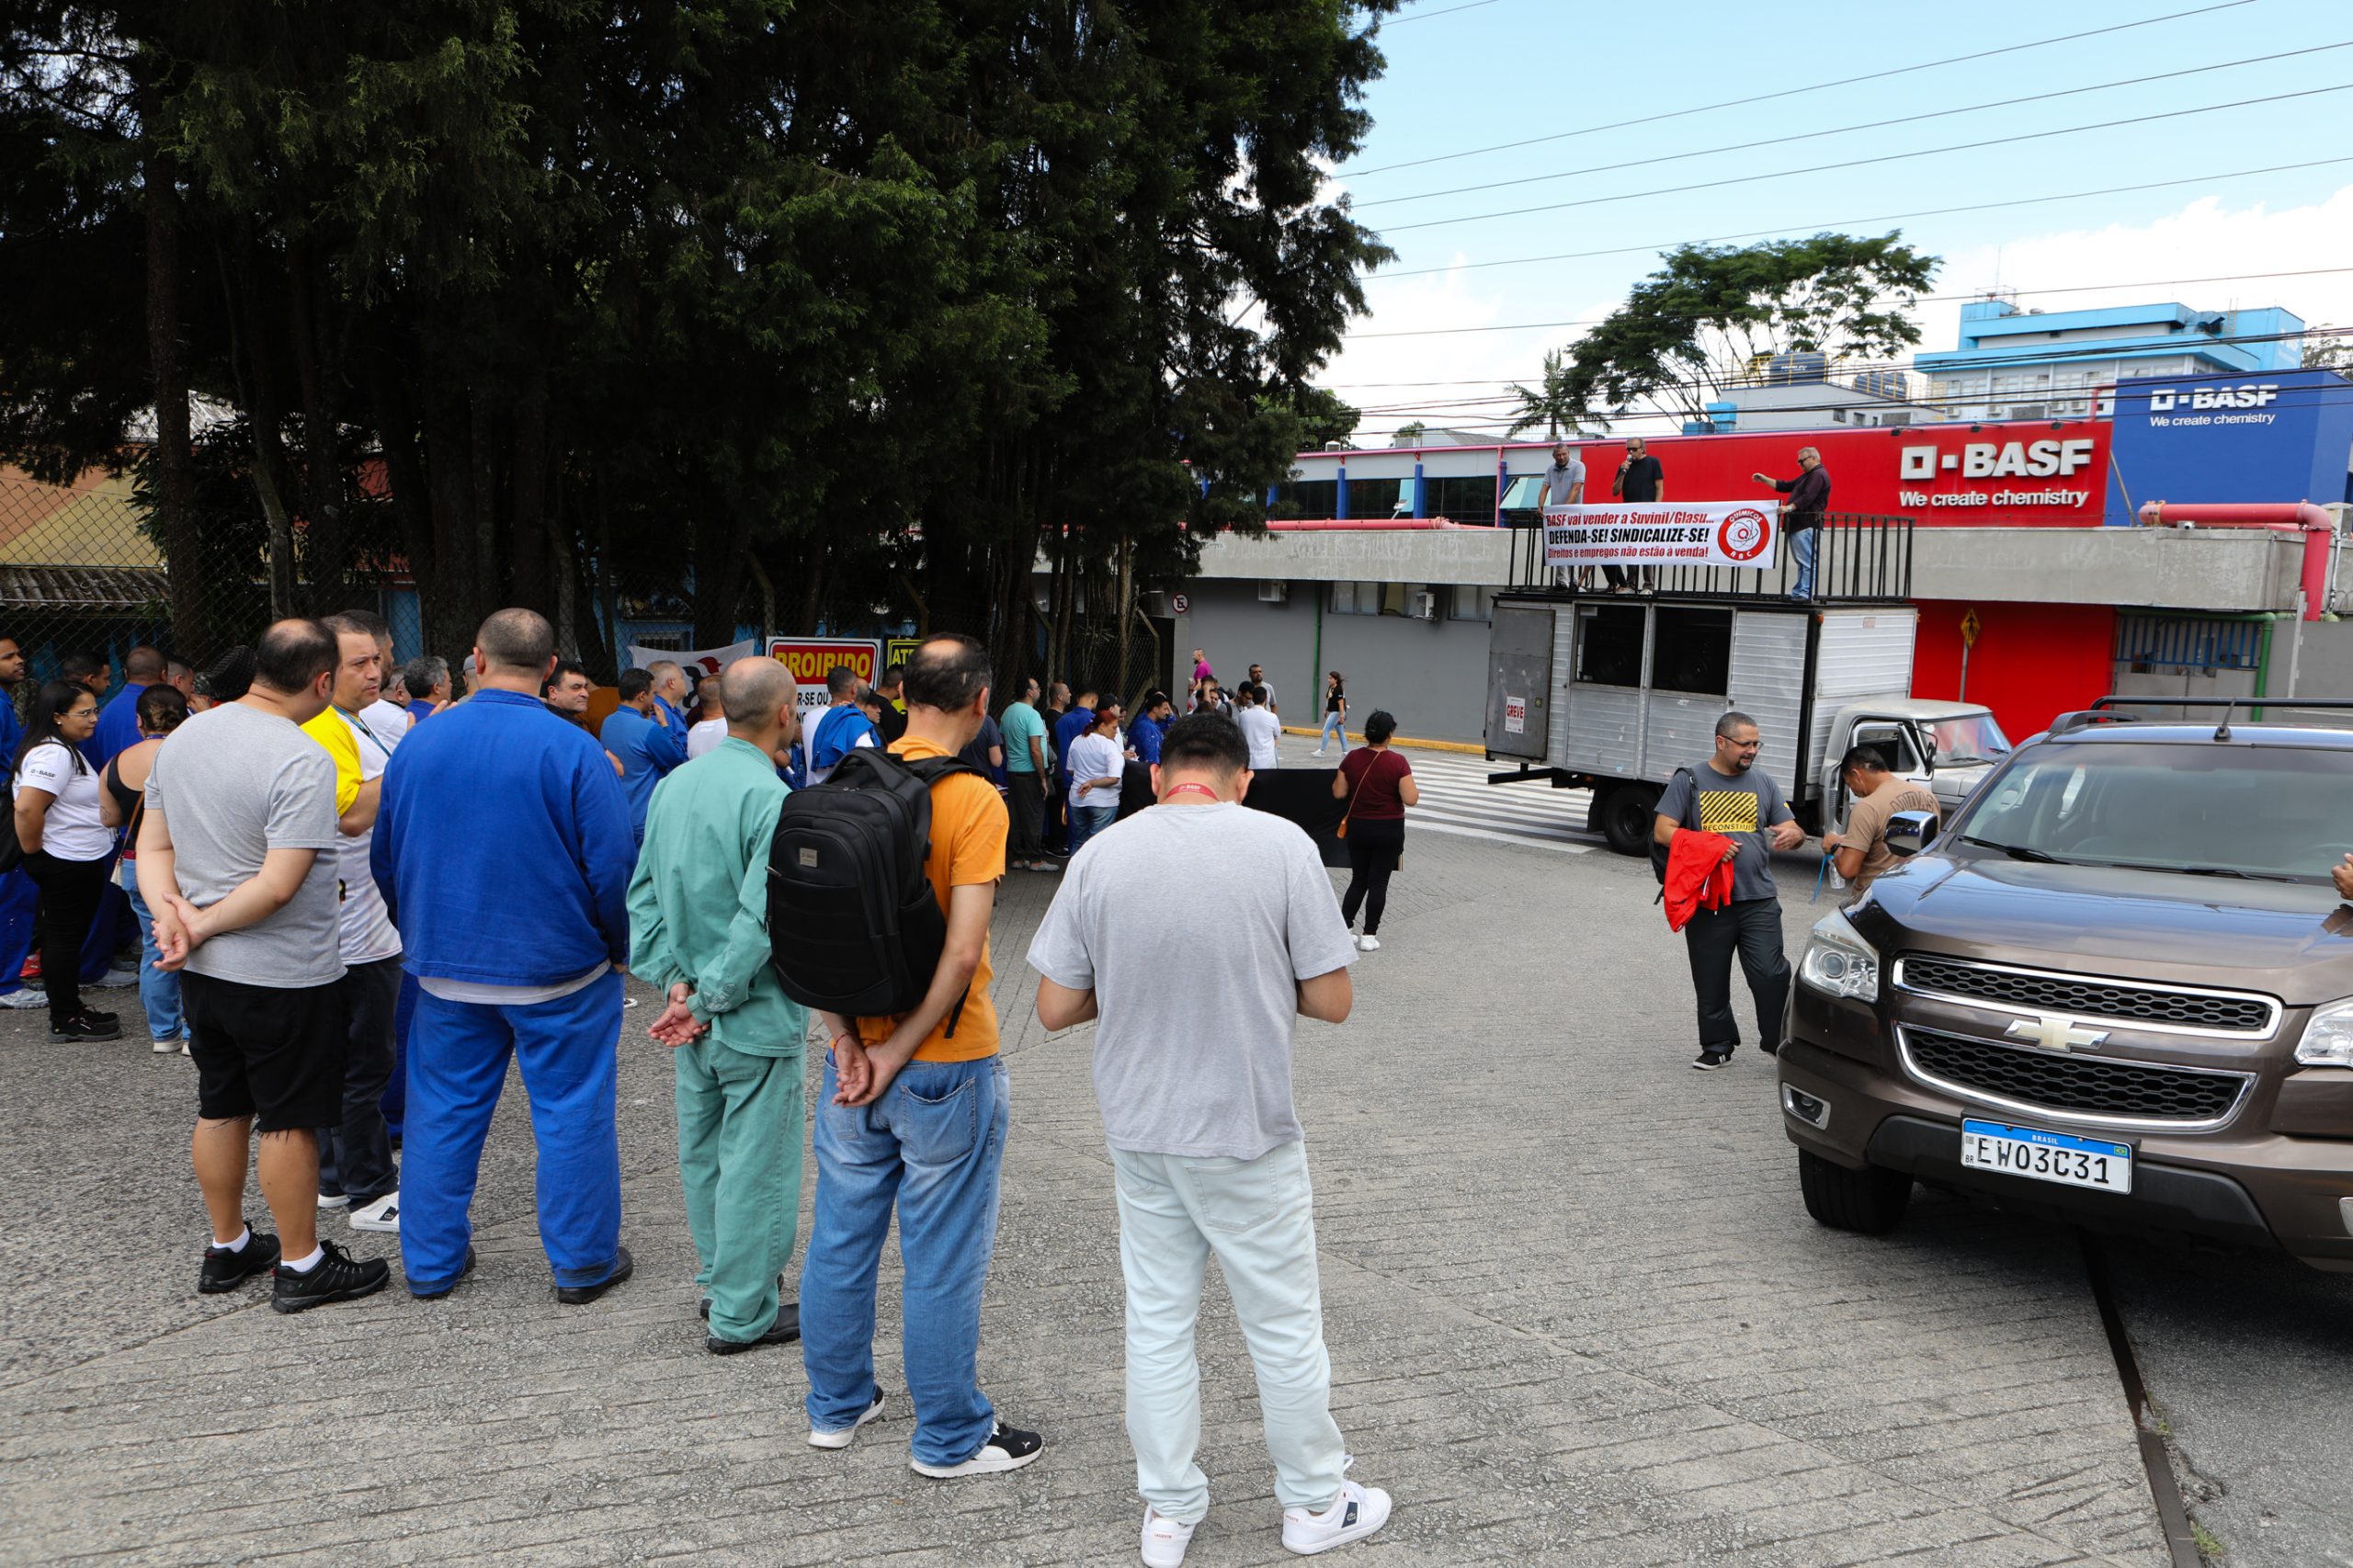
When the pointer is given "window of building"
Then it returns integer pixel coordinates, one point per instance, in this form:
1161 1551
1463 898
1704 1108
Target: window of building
1343 598
1692 651
1392 596
1610 644
1471 500
1379 498
1470 601
1305 498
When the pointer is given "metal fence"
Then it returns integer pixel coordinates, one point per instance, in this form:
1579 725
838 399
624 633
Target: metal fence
1859 558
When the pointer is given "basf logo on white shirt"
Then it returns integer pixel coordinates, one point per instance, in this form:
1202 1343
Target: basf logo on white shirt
2164 399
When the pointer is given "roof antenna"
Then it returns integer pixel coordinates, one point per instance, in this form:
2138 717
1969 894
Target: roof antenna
2222 731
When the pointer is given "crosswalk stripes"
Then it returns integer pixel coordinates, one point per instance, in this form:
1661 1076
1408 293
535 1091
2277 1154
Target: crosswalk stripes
1458 799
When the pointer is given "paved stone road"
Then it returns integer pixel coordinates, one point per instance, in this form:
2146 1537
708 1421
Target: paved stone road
1578 1315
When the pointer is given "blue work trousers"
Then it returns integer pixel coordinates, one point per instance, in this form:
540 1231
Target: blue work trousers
568 1051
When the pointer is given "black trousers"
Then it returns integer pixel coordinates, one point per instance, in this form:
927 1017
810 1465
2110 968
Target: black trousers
1028 802
1373 848
1753 930
357 1155
71 892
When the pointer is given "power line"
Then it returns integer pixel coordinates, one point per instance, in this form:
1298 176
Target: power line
1861 163
1842 222
1425 16
1847 130
1922 300
1793 92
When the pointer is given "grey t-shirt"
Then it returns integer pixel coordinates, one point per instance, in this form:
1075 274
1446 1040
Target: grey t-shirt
1176 891
1560 481
233 784
1741 808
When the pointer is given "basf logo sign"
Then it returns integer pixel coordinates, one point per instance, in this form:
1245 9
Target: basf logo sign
2068 469
2278 436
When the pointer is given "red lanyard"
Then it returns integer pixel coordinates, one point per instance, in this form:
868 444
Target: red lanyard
1177 789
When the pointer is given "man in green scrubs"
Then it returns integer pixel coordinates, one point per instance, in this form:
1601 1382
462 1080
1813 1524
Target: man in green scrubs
698 909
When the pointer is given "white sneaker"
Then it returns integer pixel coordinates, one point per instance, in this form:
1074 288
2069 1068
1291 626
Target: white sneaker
334 1200
183 1045
1368 943
841 1439
1354 1515
384 1214
26 996
1165 1539
166 1044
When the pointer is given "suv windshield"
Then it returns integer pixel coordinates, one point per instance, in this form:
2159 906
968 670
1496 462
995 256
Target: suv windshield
1973 737
2268 812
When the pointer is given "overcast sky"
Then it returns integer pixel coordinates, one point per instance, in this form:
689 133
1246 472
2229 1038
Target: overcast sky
1463 77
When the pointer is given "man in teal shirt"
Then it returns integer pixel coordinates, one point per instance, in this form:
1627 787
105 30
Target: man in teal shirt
697 910
1027 767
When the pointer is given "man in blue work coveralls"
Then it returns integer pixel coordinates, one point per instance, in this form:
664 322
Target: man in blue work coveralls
516 933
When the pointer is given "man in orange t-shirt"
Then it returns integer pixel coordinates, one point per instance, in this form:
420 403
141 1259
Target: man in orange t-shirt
913 1115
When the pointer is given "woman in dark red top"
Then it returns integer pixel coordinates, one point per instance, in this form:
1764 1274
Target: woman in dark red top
1378 784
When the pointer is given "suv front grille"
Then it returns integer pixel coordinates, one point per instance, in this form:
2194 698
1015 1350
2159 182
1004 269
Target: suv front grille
2085 996
2074 1085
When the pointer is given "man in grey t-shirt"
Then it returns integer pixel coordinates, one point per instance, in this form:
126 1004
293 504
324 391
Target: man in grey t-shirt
234 859
1725 795
1195 1095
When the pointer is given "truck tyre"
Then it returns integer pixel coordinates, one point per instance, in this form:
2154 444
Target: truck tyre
1627 815
1870 1202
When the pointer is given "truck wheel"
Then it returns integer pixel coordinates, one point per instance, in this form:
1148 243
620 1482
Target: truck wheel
1870 1200
1627 815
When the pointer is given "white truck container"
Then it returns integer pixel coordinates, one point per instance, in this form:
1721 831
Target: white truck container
1615 693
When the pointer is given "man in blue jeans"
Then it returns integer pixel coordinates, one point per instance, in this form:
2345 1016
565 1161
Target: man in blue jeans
1802 515
515 933
913 1115
1195 1095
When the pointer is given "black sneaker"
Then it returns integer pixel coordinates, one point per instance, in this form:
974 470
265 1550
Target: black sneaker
580 1295
224 1270
1711 1057
84 1027
1008 1448
339 1276
784 1331
463 1270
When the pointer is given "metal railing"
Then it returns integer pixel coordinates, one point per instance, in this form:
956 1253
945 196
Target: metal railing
1859 558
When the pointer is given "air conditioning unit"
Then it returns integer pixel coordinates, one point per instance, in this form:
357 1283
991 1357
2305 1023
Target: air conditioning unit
1274 592
1426 606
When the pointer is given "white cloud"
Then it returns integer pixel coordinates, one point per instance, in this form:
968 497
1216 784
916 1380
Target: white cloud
2205 239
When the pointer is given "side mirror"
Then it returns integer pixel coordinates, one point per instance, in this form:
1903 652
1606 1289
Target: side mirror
1908 833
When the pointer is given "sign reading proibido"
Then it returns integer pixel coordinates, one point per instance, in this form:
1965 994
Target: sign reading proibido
1702 533
812 658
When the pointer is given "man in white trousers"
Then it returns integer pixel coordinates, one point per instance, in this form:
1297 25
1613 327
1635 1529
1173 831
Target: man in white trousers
1195 1090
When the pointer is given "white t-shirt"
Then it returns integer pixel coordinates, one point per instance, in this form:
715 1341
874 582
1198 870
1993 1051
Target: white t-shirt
72 830
367 932
705 737
388 720
1264 732
1094 756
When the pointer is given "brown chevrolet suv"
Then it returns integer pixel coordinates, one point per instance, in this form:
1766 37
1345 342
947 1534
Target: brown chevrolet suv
2117 989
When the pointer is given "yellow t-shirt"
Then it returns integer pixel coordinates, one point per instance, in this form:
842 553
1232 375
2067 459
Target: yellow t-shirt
968 828
332 732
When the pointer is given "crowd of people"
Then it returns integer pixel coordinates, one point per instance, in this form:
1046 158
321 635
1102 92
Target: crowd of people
312 937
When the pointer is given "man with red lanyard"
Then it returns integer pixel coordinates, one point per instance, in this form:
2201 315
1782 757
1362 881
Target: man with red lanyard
1378 784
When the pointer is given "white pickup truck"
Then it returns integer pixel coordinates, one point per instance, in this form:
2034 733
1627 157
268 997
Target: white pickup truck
1615 693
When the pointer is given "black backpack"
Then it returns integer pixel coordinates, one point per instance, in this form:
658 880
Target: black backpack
1659 852
854 927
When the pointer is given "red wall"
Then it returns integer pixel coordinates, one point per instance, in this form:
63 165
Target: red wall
2031 662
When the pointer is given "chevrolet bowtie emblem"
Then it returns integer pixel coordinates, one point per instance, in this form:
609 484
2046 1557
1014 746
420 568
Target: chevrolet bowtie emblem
2054 1033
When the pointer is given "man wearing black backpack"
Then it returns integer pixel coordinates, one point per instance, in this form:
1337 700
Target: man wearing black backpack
913 1111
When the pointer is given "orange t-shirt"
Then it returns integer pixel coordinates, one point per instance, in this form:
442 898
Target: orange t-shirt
968 828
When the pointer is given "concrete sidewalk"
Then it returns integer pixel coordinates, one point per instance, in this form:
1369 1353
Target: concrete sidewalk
1576 1313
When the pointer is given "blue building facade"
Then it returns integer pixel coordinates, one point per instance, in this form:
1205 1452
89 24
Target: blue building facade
2014 364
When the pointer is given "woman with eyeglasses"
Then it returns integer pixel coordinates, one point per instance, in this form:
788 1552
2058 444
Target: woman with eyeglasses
66 844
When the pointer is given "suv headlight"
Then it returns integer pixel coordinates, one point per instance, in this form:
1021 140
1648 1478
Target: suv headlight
2328 1038
1839 962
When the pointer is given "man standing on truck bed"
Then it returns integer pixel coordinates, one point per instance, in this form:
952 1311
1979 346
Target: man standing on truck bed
1809 498
1640 480
1727 795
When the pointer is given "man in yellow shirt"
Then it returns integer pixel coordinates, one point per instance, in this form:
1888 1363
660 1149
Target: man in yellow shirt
912 1116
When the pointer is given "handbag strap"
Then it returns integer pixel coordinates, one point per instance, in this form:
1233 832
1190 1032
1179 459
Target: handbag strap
1362 778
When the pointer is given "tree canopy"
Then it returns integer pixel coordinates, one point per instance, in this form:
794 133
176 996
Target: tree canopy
839 314
1709 318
